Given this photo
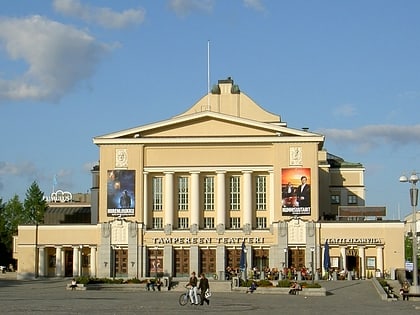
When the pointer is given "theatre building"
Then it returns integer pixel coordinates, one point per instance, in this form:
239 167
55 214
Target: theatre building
187 193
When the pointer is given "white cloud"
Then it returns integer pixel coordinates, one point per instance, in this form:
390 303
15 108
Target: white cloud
345 110
58 57
104 17
185 7
254 4
368 137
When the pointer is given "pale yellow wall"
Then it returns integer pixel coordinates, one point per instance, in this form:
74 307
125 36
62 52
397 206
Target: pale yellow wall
389 233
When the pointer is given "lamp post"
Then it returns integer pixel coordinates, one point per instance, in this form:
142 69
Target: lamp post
312 264
413 179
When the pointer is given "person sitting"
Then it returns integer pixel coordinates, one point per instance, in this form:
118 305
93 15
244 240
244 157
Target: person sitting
73 284
295 288
150 285
252 288
158 284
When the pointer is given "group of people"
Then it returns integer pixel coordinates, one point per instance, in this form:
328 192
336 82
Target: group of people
152 285
203 285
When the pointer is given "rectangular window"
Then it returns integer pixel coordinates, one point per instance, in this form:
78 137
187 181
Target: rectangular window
209 193
157 223
209 223
235 223
261 222
352 199
157 194
261 193
335 199
183 223
183 193
235 193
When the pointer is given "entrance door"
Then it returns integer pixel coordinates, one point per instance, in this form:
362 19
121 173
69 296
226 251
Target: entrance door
182 262
68 263
155 263
260 260
121 262
297 258
208 261
234 259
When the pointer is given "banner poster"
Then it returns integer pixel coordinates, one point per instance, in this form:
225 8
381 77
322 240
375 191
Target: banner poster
120 193
296 191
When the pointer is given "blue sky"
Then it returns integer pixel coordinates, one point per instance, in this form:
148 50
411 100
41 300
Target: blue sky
73 70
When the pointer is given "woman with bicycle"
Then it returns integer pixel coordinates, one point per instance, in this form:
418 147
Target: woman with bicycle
193 288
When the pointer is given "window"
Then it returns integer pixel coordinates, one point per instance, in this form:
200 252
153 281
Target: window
235 223
157 194
335 199
261 222
261 192
183 223
182 193
208 193
157 223
209 223
352 199
235 193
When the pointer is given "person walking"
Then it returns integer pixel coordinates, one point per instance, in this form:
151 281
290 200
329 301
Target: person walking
204 289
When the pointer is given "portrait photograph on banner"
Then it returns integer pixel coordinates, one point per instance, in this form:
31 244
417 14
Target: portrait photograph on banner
121 196
296 191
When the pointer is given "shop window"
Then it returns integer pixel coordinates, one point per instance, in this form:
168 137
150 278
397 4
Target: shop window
51 261
85 260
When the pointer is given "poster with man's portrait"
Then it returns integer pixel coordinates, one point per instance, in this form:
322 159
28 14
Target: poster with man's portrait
120 193
296 191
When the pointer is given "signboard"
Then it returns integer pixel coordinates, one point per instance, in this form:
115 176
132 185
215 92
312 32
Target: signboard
296 191
121 193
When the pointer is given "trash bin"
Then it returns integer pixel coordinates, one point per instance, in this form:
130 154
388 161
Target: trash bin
167 282
235 282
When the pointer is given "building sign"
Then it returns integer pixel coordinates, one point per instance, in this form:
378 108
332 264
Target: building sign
345 241
296 191
207 240
59 196
120 193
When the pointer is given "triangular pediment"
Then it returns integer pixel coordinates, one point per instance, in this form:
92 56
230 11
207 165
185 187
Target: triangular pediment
205 124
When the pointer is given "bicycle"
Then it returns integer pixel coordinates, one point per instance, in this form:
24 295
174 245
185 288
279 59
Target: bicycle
185 297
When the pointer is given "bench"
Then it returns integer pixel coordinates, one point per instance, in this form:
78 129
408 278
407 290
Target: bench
411 294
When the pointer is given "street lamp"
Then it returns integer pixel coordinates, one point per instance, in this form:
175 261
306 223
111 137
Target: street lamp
312 264
414 192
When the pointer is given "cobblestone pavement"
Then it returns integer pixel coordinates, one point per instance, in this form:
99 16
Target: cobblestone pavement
51 297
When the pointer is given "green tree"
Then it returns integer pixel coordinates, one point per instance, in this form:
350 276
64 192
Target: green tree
12 216
34 205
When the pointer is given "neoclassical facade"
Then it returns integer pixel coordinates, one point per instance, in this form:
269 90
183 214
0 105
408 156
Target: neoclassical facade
187 193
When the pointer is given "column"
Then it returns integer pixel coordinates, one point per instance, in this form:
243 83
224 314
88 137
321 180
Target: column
58 262
92 271
145 199
76 261
343 257
362 268
169 201
221 202
380 258
195 200
41 261
247 198
271 198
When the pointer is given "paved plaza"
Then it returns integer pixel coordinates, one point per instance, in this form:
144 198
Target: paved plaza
49 296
